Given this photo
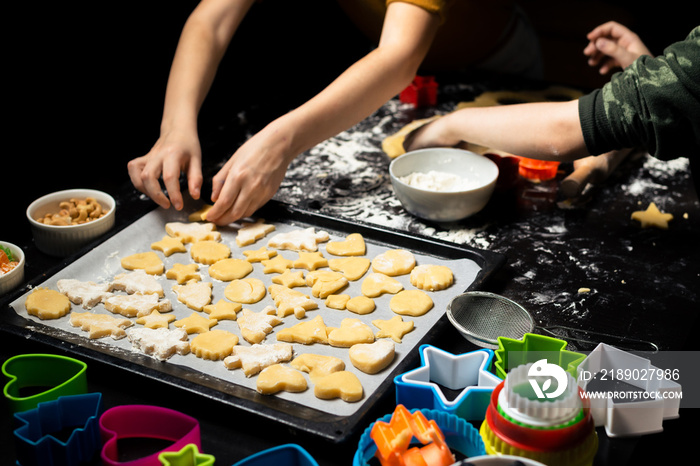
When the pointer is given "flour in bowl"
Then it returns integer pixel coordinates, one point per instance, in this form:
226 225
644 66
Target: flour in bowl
438 181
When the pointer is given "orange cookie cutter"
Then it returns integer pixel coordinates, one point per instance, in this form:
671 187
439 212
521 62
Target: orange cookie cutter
393 440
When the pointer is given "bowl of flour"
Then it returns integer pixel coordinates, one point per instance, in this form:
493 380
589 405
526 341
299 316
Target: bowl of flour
443 184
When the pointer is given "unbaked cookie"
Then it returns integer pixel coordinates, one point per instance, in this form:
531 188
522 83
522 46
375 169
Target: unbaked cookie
159 343
245 290
255 326
317 365
169 246
195 323
431 277
324 283
87 294
351 332
342 384
136 305
100 325
183 273
137 281
353 245
310 260
259 255
307 332
277 378
393 145
394 262
394 328
209 251
230 269
337 301
214 344
253 359
299 240
290 279
652 217
156 320
149 262
46 303
277 264
201 214
352 268
223 310
251 232
412 303
360 305
376 284
193 232
289 301
373 357
195 295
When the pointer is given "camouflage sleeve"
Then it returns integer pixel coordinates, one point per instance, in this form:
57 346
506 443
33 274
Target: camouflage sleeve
654 103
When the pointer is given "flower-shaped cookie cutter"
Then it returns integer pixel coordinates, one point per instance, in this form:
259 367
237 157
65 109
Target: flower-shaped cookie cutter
531 348
468 373
36 440
56 375
290 453
146 421
650 396
188 456
459 435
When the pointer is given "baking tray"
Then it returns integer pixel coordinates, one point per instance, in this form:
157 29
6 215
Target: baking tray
334 420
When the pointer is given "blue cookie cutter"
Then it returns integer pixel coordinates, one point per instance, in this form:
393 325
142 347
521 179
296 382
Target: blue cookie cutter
36 442
468 372
289 454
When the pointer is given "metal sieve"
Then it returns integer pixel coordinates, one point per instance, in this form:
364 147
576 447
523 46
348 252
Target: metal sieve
482 317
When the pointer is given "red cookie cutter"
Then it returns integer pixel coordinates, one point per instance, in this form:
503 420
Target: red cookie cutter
394 438
146 421
422 92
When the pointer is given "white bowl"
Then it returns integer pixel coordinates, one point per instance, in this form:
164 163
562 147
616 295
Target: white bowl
478 176
64 240
14 277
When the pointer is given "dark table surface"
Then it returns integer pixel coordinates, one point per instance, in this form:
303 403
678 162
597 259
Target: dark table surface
644 283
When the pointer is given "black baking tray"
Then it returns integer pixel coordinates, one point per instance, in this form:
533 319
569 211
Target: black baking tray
326 425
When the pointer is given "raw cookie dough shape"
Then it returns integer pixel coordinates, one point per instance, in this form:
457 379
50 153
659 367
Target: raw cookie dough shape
223 310
394 328
169 246
159 343
193 232
255 326
317 365
337 301
136 305
259 255
299 240
277 378
412 303
87 294
324 283
249 232
245 290
310 260
100 325
201 214
289 301
361 305
393 145
342 384
351 332
376 284
149 262
214 344
290 279
230 269
195 323
352 268
277 264
430 277
353 245
156 320
394 262
373 357
255 358
306 333
652 217
195 295
45 304
183 273
137 281
208 251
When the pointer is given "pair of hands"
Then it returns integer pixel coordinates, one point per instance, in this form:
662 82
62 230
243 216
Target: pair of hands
612 45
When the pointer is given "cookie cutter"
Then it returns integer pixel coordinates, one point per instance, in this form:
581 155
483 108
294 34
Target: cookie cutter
56 375
421 92
145 421
36 440
648 405
290 453
531 348
459 435
468 372
188 456
573 444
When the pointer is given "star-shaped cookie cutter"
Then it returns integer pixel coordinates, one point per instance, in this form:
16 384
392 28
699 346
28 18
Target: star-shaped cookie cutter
467 372
653 395
189 455
36 442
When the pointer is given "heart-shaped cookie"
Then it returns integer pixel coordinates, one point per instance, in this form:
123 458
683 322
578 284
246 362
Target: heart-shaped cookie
342 384
354 245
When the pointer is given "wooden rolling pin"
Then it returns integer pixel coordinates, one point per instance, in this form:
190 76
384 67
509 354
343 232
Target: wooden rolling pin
593 169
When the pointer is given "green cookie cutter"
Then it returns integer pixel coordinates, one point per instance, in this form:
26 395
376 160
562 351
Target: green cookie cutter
58 375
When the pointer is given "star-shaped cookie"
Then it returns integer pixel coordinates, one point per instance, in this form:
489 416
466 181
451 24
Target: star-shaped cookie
290 279
652 217
183 273
223 310
195 323
156 320
394 328
169 246
259 255
277 264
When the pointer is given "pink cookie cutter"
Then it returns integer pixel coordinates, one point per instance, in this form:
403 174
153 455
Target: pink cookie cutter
145 421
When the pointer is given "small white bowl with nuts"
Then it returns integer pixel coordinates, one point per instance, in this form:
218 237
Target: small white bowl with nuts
65 221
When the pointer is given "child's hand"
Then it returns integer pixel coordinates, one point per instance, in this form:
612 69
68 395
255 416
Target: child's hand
612 45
